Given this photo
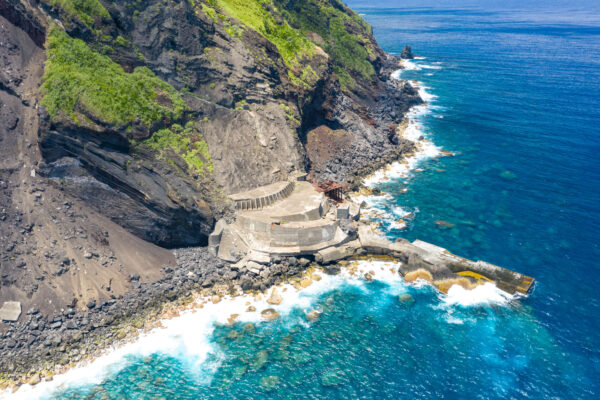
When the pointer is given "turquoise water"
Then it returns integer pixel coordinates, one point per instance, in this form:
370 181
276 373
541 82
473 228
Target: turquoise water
518 101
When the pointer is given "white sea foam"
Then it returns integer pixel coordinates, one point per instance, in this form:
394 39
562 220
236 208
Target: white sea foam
409 65
188 336
427 66
487 293
414 132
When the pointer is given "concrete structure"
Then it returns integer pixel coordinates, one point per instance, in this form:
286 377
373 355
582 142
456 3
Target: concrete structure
10 311
263 196
300 222
294 219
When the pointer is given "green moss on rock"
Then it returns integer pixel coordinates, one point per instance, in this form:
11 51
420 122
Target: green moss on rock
87 11
342 33
79 82
187 142
257 14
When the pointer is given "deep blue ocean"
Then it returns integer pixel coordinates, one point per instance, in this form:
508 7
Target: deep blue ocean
517 99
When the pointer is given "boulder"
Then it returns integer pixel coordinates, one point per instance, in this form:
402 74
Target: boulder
10 311
269 314
275 298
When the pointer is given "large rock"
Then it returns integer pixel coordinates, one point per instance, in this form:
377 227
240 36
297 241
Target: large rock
10 311
407 53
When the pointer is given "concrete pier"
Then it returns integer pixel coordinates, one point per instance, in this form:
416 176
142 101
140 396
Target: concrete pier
293 219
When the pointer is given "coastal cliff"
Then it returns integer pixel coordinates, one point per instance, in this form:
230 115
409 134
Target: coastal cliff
125 125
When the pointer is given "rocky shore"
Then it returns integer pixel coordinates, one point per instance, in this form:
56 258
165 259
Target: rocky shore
40 347
89 212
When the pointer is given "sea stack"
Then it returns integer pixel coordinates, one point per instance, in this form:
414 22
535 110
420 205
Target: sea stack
407 53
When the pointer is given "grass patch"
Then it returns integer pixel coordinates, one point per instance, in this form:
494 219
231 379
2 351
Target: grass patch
87 11
290 43
343 31
187 142
80 82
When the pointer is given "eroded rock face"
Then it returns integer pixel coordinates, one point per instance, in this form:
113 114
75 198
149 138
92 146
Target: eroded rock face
262 114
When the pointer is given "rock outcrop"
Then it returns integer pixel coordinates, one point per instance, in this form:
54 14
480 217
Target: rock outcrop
407 53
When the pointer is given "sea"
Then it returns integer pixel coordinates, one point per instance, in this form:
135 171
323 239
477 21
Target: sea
508 172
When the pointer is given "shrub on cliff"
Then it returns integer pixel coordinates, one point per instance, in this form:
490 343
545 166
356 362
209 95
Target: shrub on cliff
81 84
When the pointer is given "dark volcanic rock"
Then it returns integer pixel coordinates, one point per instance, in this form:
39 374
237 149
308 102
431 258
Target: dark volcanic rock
407 53
64 183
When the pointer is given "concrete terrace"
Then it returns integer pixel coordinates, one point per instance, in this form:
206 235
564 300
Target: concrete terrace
300 222
262 196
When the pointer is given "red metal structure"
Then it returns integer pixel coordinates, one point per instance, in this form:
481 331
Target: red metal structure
332 189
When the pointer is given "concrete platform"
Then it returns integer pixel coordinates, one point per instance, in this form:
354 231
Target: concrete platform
304 203
302 223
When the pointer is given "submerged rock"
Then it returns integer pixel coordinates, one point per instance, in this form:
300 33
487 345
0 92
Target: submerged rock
406 299
313 315
444 224
508 175
330 378
269 314
269 382
261 359
249 328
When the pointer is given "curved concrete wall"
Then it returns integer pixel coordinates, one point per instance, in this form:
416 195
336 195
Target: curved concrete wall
260 202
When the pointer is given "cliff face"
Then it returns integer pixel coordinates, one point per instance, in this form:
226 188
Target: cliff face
152 112
125 125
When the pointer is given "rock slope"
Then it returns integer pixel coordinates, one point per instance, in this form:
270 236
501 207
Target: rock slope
124 126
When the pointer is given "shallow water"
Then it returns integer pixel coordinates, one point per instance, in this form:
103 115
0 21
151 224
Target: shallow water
516 95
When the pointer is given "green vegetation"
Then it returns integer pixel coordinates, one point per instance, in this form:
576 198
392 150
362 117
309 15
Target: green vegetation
78 81
86 10
346 80
255 14
349 50
185 141
289 115
121 41
210 12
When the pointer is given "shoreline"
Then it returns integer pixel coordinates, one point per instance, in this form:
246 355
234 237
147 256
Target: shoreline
299 291
112 329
